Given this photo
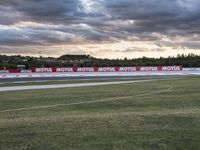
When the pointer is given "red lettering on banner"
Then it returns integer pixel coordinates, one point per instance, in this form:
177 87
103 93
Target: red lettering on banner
15 71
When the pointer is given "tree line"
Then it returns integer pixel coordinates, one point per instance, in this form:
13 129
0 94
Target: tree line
11 62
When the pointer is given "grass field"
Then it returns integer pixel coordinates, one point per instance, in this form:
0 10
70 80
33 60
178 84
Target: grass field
158 115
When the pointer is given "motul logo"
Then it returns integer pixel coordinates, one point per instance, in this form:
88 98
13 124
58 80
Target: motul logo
64 69
149 69
171 68
127 69
85 70
106 69
43 70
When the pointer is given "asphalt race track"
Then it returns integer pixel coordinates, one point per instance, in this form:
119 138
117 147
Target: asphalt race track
37 77
33 87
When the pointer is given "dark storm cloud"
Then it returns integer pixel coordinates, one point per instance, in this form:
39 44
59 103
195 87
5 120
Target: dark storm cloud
142 9
142 49
195 45
59 11
27 36
104 21
157 15
8 15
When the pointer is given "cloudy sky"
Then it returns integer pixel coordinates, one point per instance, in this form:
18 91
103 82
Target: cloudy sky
101 28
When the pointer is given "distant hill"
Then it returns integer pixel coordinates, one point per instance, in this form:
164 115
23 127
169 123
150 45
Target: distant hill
11 62
75 57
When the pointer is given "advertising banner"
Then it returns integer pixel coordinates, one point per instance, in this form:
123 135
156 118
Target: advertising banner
97 69
108 69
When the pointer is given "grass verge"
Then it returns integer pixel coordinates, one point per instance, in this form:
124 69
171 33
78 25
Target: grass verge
168 120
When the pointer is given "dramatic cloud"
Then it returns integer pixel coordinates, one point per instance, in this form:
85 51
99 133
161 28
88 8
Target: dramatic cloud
114 28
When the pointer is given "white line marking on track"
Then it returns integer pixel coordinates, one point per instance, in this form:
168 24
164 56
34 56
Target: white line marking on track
169 88
54 86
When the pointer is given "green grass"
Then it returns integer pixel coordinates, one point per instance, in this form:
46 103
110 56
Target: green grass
162 121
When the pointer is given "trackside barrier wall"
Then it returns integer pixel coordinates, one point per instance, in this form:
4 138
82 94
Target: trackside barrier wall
97 69
108 69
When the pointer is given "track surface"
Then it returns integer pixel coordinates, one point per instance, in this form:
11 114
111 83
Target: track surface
34 77
34 87
40 79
